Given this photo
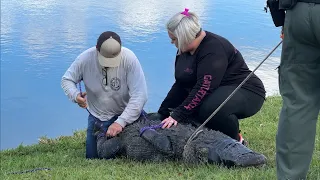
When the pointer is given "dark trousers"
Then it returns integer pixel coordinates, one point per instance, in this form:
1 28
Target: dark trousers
243 104
299 83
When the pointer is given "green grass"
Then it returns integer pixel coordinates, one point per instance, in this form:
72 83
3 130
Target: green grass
65 157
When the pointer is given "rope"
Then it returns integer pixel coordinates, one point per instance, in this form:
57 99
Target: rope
152 127
81 94
27 171
195 133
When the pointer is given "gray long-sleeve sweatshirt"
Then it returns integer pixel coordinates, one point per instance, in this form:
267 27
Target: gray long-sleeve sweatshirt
124 95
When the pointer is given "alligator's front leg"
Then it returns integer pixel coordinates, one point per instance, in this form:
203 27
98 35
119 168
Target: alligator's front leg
108 148
160 141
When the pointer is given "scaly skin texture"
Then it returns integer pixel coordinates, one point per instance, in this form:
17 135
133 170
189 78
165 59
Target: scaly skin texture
209 146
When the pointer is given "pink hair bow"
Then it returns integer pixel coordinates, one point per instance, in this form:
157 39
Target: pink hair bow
185 12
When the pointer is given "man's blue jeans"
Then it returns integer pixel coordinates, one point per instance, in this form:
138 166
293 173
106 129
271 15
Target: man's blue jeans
91 142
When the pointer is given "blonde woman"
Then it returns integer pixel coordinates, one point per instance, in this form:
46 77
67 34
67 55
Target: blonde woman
207 69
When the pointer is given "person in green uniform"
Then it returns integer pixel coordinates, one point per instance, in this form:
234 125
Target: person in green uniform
299 85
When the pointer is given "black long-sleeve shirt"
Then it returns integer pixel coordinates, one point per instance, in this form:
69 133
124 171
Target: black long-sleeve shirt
216 62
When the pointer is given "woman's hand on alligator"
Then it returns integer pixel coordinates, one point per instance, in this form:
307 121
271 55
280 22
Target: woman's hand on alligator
168 122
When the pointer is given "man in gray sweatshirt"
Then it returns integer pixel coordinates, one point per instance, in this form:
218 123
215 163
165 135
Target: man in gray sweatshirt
115 84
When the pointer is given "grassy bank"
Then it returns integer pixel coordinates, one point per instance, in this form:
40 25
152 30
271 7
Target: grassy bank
65 157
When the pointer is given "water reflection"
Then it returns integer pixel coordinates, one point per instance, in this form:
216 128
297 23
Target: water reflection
140 21
36 6
6 27
73 27
267 72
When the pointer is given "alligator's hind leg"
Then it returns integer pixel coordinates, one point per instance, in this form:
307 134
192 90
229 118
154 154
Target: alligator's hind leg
232 152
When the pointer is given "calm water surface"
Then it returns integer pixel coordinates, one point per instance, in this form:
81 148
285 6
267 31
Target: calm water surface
41 38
